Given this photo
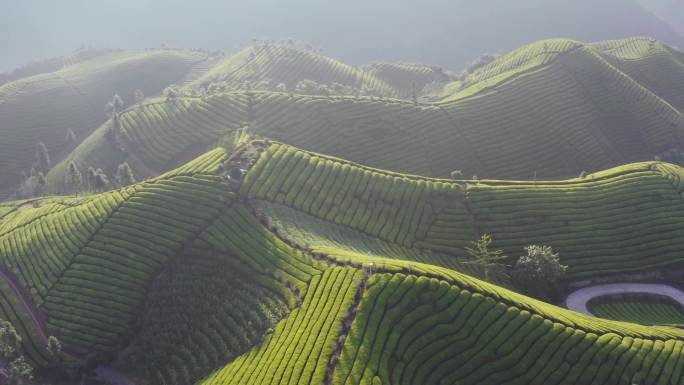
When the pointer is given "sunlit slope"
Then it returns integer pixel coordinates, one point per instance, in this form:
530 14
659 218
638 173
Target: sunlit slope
417 323
42 108
592 220
312 269
268 65
550 110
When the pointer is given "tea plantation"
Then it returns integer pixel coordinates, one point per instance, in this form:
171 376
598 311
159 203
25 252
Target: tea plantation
552 109
312 269
276 216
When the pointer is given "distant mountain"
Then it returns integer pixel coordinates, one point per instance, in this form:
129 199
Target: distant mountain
445 32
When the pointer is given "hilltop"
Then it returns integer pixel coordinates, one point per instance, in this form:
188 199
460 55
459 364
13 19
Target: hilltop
336 282
552 109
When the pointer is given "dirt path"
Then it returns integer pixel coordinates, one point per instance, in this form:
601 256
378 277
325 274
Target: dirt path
26 302
578 300
104 373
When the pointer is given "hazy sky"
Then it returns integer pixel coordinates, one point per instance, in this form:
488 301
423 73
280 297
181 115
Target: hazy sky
447 32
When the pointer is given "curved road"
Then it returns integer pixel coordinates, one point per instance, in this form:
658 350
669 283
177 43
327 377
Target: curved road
578 300
104 373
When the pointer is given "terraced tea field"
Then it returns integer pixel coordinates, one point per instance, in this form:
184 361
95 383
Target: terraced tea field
586 107
645 310
279 217
338 273
42 108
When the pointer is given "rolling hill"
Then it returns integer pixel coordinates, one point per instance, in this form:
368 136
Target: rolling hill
341 273
268 65
552 109
292 221
43 107
49 65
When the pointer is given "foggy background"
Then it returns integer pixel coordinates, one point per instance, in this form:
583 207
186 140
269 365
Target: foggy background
444 32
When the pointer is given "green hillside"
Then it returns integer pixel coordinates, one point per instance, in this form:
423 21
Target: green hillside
643 309
42 108
310 269
276 216
409 79
49 65
549 110
268 65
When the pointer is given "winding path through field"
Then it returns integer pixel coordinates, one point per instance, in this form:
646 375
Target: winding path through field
578 300
104 373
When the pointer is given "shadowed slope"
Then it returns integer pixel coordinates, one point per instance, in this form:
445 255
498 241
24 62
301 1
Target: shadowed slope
42 108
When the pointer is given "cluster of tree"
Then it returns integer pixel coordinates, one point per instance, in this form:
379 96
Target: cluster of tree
96 180
535 273
289 42
303 87
33 183
15 368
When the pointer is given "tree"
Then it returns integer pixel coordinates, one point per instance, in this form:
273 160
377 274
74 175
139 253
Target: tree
112 131
42 157
96 179
486 259
170 93
20 371
74 178
40 184
138 96
538 271
101 180
91 175
124 175
54 348
306 86
114 106
10 341
70 137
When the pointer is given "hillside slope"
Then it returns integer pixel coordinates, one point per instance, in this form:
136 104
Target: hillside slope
42 108
343 274
49 65
548 110
268 65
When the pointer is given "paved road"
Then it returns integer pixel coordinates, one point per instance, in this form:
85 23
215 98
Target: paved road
104 373
578 300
